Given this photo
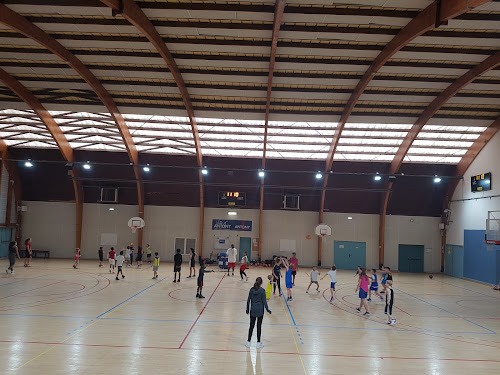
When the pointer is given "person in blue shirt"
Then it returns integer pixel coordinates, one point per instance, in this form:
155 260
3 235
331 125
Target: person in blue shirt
288 278
277 275
374 286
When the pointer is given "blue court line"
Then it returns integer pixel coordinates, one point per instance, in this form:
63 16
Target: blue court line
128 299
449 312
291 315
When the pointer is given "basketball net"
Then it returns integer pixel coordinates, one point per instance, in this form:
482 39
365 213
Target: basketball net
134 228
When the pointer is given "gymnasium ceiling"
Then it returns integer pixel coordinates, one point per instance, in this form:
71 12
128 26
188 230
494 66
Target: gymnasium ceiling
223 51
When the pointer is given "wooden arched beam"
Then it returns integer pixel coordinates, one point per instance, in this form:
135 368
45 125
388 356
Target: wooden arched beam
279 9
134 14
13 174
488 64
433 16
17 22
61 141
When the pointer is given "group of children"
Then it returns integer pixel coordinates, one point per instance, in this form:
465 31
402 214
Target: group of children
118 260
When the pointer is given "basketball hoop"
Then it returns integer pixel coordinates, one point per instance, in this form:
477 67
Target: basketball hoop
136 223
492 245
323 230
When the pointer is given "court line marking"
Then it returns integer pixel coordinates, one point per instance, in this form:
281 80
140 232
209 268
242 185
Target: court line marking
245 351
293 335
87 326
449 312
201 312
225 322
32 289
29 278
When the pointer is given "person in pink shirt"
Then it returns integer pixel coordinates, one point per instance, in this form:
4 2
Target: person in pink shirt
295 262
111 257
363 291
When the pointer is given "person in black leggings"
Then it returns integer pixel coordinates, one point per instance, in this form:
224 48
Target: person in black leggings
256 303
277 275
13 254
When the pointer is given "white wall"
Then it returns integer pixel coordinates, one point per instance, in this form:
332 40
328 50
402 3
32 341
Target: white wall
472 214
52 226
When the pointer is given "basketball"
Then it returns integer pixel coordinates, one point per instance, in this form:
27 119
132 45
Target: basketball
430 277
308 236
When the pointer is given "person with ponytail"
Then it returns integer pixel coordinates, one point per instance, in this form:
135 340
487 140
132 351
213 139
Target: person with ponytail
256 303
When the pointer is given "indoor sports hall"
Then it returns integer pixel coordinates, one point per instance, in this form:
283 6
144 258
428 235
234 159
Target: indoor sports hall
249 187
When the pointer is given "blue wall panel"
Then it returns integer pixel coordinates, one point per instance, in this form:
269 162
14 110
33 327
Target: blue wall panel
454 261
479 264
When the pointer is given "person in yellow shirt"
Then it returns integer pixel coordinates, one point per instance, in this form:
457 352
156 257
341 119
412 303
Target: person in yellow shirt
156 264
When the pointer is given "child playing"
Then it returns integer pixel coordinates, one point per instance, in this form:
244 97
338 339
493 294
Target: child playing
374 286
178 265
314 279
111 257
77 258
131 249
277 276
333 280
384 279
201 274
389 302
243 267
363 291
288 279
269 288
148 253
156 264
100 252
358 271
119 262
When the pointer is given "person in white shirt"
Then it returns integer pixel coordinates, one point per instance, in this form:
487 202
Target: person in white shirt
314 279
333 280
231 259
119 262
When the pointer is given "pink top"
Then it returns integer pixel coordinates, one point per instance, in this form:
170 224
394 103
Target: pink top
364 282
295 263
112 254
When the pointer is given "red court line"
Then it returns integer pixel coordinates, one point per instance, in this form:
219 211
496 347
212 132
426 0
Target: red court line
412 329
201 312
30 290
246 351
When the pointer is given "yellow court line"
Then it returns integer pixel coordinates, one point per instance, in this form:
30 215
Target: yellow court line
69 337
293 335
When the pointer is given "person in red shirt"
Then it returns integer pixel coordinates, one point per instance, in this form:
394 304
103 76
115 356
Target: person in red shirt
77 258
295 262
111 257
28 255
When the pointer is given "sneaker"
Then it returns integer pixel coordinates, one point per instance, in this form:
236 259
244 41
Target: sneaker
110 270
241 279
274 293
281 294
369 299
179 280
366 314
7 270
117 278
291 299
201 296
392 322
307 291
388 322
175 281
188 277
197 295
246 279
317 290
260 345
247 344
123 276
154 277
232 274
358 310
331 299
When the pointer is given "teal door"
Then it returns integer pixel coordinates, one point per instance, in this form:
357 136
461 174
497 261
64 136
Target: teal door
454 261
245 245
411 258
5 234
349 255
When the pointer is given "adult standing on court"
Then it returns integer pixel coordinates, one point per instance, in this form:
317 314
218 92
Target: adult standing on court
231 259
28 253
148 253
192 260
256 303
295 262
101 256
13 252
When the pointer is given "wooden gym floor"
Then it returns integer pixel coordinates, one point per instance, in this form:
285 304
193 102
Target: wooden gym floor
57 320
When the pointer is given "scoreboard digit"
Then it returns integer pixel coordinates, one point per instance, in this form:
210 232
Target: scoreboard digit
232 198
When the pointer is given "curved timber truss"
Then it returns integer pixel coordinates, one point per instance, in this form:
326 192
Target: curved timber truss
433 16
